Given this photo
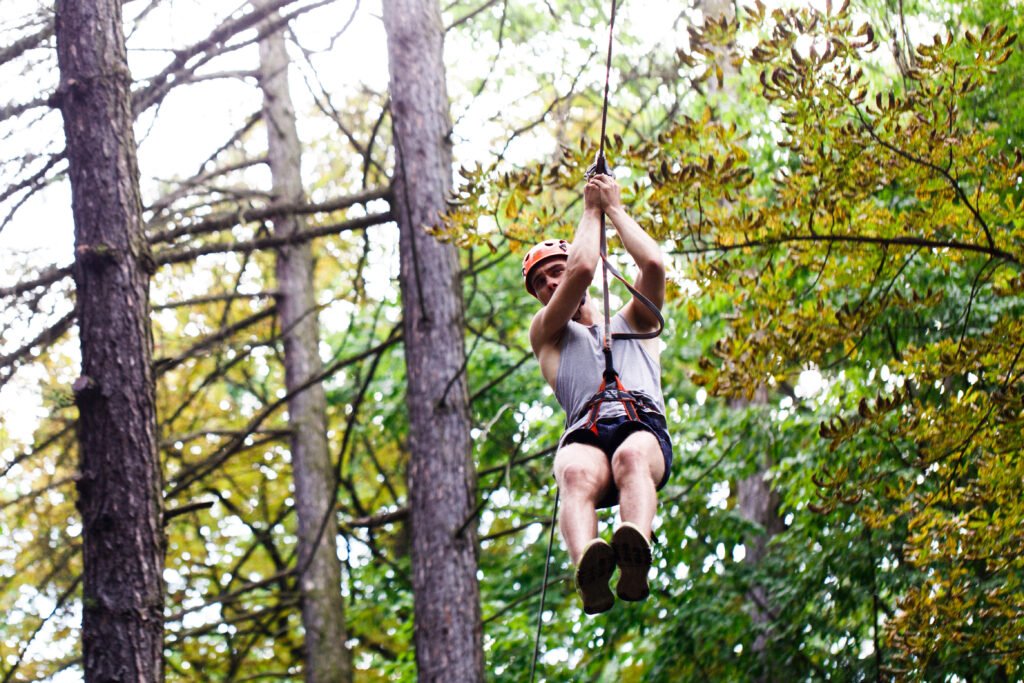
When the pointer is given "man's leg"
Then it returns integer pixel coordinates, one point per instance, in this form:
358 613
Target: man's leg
583 475
637 467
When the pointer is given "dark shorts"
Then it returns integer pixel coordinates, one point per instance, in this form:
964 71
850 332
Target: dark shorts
612 431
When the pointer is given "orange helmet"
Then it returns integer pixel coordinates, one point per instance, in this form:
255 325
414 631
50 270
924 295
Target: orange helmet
542 252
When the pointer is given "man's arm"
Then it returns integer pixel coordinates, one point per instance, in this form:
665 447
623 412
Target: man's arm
584 253
646 253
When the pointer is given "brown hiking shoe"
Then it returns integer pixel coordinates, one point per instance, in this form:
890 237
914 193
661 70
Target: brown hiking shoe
633 555
592 575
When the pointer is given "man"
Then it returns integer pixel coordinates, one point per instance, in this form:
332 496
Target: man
615 459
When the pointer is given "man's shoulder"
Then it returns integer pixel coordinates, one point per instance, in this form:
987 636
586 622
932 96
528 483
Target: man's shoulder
549 339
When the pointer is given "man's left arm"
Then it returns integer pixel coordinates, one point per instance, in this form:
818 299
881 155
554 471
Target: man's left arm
647 255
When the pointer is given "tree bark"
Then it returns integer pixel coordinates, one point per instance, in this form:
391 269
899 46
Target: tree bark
447 628
758 503
323 608
119 486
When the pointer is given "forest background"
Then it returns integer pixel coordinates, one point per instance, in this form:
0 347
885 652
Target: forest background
838 187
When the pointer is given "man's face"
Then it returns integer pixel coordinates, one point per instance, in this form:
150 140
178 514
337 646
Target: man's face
546 277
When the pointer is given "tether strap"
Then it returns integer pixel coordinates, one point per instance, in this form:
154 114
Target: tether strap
655 311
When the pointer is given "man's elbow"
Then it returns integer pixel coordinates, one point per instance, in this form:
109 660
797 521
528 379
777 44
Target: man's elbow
652 265
580 271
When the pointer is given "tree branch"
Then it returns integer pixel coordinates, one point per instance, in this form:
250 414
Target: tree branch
245 215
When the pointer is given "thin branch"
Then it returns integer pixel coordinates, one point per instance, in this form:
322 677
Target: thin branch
172 256
246 215
953 182
858 239
213 298
463 19
44 340
213 45
55 484
189 475
378 520
163 365
29 42
171 513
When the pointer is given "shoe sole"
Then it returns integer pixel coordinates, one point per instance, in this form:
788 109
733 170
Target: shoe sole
592 576
633 555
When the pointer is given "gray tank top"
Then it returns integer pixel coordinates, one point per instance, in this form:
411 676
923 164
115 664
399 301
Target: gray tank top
582 364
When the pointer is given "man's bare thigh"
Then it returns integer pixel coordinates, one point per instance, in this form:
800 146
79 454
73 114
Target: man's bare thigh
646 444
587 457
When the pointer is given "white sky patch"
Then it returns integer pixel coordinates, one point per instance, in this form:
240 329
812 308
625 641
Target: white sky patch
719 496
21 407
810 383
210 614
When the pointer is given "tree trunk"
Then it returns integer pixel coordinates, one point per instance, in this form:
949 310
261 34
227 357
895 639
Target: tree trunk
323 609
119 485
758 503
447 628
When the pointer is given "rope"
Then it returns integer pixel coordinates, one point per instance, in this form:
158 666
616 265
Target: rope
544 588
607 77
601 166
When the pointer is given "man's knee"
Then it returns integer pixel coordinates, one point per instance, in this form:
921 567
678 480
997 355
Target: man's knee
582 473
579 477
638 456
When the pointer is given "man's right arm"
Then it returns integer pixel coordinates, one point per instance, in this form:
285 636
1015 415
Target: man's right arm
548 323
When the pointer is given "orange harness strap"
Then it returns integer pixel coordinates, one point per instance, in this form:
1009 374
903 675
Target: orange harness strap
631 403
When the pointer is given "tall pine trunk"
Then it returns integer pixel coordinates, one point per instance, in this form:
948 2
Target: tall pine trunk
119 484
323 615
441 478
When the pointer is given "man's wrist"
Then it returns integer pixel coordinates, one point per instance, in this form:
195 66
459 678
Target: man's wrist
616 211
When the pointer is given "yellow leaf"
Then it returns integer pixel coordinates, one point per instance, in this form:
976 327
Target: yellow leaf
512 208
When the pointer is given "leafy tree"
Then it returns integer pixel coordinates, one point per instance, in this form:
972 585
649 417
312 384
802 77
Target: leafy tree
821 258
